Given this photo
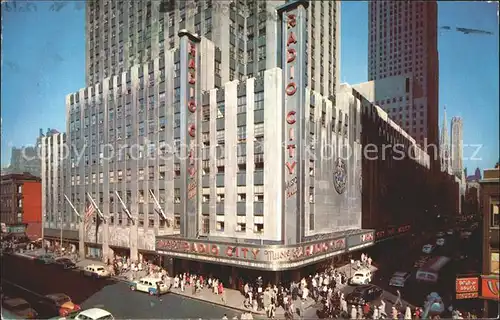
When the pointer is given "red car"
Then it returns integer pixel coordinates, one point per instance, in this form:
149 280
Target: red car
59 303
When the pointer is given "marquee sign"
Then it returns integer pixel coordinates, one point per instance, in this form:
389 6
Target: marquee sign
293 63
274 257
467 288
190 118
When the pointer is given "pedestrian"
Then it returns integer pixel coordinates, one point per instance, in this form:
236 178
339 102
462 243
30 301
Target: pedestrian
408 313
398 303
224 317
158 290
354 313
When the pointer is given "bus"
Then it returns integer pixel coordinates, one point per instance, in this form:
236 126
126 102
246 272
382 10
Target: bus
429 272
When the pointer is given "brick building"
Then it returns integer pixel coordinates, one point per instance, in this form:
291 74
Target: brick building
490 205
21 204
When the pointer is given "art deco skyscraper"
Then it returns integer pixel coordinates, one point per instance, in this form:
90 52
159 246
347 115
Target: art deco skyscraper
403 41
457 146
121 34
444 146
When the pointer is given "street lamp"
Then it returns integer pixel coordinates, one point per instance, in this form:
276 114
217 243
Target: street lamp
350 265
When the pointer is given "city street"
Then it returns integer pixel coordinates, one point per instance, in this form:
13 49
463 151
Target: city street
402 254
115 297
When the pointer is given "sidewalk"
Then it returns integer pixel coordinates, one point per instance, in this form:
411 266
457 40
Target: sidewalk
235 300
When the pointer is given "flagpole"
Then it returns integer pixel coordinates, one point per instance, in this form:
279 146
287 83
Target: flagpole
72 206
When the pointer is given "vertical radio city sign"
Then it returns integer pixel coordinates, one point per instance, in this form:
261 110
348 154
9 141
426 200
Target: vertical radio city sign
189 92
293 63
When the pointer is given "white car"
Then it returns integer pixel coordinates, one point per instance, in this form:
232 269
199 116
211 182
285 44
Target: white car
440 234
96 271
440 242
362 276
94 314
450 232
399 278
428 248
149 285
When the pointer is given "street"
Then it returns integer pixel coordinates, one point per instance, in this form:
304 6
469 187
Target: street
115 297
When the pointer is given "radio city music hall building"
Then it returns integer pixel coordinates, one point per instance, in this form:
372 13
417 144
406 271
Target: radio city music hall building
275 189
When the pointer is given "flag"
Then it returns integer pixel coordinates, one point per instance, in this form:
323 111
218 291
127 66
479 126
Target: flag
88 213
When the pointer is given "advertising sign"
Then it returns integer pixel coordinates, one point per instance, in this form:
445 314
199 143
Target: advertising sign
293 16
190 114
269 257
362 240
490 287
467 288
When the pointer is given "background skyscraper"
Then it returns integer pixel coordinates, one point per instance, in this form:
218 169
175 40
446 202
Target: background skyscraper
457 146
403 42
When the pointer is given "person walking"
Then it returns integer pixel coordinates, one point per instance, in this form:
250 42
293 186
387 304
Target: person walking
158 290
224 317
398 303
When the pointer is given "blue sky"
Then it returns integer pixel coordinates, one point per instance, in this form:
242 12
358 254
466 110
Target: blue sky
44 60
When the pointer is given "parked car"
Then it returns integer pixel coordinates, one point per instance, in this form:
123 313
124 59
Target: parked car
65 263
58 304
440 242
362 276
149 285
428 248
440 234
399 278
421 261
45 259
94 314
363 294
450 232
19 307
95 271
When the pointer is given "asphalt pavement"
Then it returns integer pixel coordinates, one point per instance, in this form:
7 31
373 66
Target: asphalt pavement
116 297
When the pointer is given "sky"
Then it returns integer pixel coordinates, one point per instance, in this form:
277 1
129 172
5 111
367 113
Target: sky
43 60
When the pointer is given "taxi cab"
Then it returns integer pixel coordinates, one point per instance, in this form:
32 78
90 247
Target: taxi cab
399 279
149 285
362 276
96 271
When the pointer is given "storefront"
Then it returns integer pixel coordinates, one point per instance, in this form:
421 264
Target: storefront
93 251
490 292
234 263
52 239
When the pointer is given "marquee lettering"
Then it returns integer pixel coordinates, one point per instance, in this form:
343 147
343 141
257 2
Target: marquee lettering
290 57
290 117
192 106
291 88
192 130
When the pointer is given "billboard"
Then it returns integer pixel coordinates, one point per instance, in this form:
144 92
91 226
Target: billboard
467 288
490 287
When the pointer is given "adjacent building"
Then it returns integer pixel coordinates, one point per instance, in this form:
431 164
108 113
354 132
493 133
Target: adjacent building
391 205
490 205
21 205
54 153
403 42
444 146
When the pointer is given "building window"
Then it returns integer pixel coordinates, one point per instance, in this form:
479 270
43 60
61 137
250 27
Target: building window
495 263
495 216
241 224
206 225
220 110
258 224
219 226
177 222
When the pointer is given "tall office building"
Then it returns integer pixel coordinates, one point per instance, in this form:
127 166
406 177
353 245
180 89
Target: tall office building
457 146
444 146
217 138
121 34
403 42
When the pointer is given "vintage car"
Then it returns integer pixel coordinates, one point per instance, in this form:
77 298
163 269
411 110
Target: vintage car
19 307
58 304
149 285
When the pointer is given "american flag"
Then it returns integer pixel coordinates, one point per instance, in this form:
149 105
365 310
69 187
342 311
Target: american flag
89 212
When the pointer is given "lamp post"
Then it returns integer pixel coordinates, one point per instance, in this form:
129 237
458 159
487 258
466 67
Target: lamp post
350 265
61 227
